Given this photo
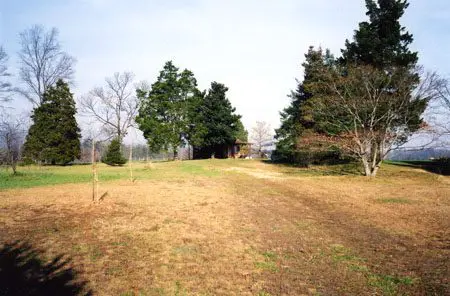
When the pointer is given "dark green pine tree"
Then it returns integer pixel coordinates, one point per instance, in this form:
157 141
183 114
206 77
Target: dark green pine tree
114 155
196 129
241 133
54 136
219 119
163 114
192 100
381 42
297 119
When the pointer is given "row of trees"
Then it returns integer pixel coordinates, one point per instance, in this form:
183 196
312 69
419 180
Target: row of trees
171 112
365 102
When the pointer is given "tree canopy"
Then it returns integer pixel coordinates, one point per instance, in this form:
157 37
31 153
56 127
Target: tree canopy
164 109
381 41
174 112
54 136
219 118
241 133
297 120
364 102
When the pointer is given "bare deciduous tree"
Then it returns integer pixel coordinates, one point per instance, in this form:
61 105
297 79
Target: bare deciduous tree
114 106
442 109
42 62
372 110
261 134
12 132
5 85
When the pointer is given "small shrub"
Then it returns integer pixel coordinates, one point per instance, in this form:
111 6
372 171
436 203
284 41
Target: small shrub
114 155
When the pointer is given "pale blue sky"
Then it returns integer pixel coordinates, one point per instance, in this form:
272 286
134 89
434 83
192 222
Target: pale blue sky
255 47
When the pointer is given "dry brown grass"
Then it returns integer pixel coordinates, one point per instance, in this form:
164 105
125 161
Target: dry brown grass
254 229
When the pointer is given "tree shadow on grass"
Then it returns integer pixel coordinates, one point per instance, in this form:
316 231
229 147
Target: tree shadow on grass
22 272
437 166
333 169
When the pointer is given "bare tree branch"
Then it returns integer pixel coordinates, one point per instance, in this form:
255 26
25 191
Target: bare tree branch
114 106
261 133
42 63
12 133
5 85
373 110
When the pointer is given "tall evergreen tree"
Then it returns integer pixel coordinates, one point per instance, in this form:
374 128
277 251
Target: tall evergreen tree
381 42
196 129
372 88
163 114
297 119
219 119
241 133
54 136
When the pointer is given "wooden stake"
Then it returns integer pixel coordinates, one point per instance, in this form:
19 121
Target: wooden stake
130 160
94 172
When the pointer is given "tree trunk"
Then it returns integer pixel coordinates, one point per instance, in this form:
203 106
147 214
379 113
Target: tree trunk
366 165
189 151
370 167
175 154
14 165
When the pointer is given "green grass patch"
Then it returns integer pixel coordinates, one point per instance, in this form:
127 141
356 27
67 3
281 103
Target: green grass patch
352 169
95 253
34 176
387 284
193 168
270 256
269 263
179 289
53 175
394 201
341 254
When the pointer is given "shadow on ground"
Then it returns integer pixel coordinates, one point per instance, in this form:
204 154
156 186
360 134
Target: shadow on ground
22 272
438 166
333 169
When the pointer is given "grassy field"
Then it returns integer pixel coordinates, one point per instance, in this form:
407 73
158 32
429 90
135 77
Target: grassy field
225 227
